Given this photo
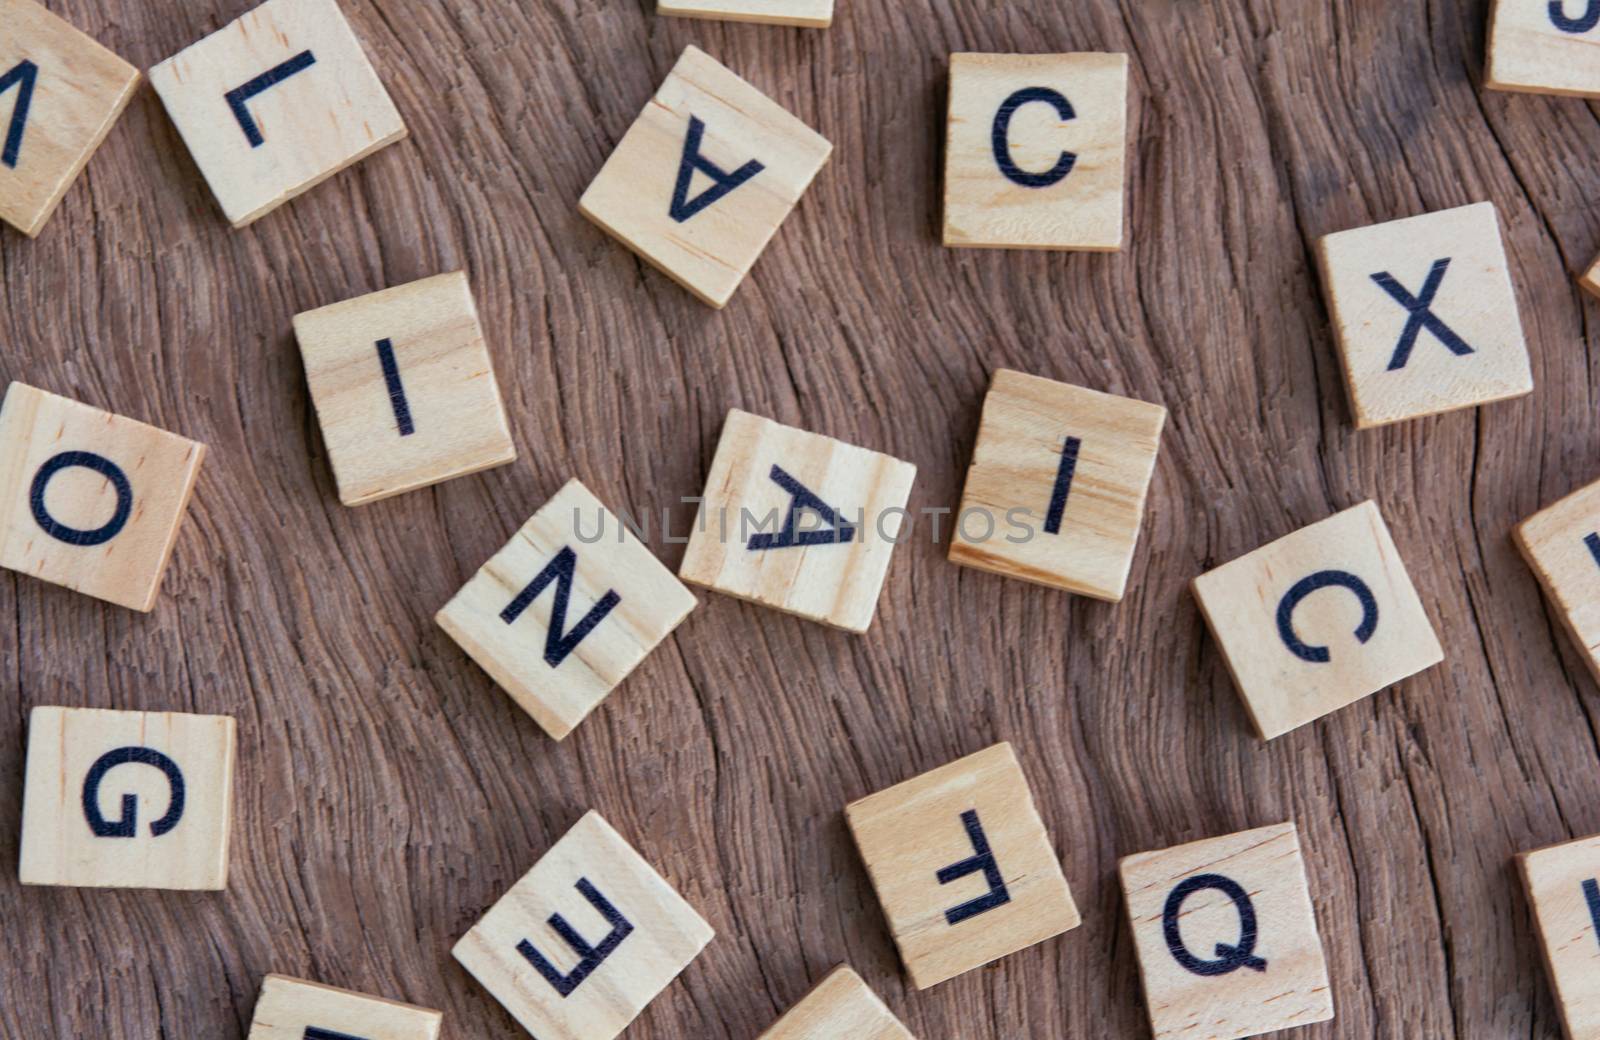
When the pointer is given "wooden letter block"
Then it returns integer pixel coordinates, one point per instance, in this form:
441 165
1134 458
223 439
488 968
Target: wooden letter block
1425 315
404 388
1056 490
559 652
798 521
1545 47
1226 938
841 1007
704 177
962 865
127 799
1317 620
1562 544
293 1009
808 14
1035 151
92 500
1563 883
276 103
60 94
585 940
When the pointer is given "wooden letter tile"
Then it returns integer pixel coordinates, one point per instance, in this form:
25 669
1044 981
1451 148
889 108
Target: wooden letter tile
798 521
1317 620
60 94
585 940
704 177
1226 938
1056 490
566 610
808 14
1544 47
962 865
293 1009
1425 315
1563 883
841 1007
127 799
1035 151
1562 544
404 388
276 103
91 500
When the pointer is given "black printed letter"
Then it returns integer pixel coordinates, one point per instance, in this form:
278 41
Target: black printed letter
127 824
397 390
558 642
314 1033
802 498
72 535
270 78
982 862
1581 24
1058 497
1229 958
1000 138
1305 587
1421 316
592 956
23 75
684 207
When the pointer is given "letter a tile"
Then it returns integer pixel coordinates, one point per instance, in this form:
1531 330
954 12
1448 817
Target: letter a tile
587 939
92 501
127 799
962 865
566 610
1425 315
1226 937
1545 47
60 94
797 521
703 178
293 1009
276 103
1562 544
1317 620
841 1007
1563 883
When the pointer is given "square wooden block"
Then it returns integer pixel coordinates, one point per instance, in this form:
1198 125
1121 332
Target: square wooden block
1544 47
1056 490
404 388
1317 620
807 14
1562 544
275 103
841 1007
1425 315
701 181
127 799
798 521
60 94
962 865
1563 883
585 940
1226 937
293 1009
93 500
1035 151
566 610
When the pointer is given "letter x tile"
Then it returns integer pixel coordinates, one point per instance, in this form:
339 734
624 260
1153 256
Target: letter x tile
1545 47
962 865
293 1009
1317 620
1226 937
1562 544
566 610
1425 315
841 1007
587 939
1563 883
703 178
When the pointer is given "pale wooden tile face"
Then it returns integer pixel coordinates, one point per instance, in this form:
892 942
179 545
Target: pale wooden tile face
127 799
823 569
1208 974
841 1007
313 104
60 94
1317 620
1056 490
92 501
1544 48
404 388
293 1009
566 610
707 235
1563 883
1425 315
638 934
962 865
1562 544
1035 152
808 14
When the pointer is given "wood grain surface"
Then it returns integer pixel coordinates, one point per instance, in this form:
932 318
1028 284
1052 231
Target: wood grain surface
388 793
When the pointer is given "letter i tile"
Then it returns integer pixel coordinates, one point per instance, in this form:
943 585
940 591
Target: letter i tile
1563 883
1226 937
587 939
